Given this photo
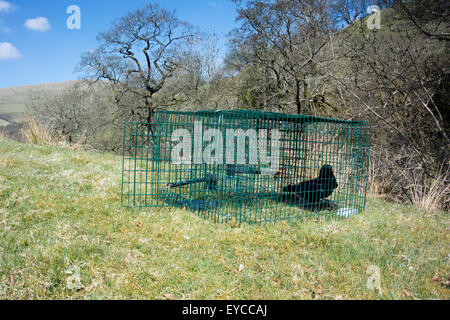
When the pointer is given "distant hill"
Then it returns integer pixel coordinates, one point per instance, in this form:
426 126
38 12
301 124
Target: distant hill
14 100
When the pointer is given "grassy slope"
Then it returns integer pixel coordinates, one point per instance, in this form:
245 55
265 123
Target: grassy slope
13 101
60 208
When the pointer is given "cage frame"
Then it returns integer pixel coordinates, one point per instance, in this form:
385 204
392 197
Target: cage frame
158 183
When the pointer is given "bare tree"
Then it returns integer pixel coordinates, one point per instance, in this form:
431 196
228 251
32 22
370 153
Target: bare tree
139 54
288 38
195 83
397 78
80 113
431 17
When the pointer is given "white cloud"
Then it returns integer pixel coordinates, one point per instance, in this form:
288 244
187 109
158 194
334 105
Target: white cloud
8 51
5 6
40 24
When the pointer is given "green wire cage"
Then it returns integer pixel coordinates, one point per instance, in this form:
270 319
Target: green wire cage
246 166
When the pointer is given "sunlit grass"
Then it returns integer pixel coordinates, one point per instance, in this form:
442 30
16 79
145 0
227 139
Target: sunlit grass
60 209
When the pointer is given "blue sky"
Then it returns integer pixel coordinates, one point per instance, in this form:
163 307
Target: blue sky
37 47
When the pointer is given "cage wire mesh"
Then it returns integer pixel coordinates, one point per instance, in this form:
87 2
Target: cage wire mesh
246 166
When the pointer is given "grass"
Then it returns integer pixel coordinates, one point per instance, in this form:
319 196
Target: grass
60 213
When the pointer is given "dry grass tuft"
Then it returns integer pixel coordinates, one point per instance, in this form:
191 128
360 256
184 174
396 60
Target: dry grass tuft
35 133
433 194
413 186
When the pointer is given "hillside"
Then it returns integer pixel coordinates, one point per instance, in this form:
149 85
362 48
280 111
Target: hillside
13 100
63 235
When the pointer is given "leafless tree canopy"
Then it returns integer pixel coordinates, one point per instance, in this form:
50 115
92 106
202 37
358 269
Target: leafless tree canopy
139 54
285 41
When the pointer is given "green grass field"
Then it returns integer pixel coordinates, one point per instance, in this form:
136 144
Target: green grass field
60 213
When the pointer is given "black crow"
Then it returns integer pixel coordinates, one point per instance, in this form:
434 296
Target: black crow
313 191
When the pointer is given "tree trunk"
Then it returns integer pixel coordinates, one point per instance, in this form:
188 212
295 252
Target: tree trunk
306 96
297 97
150 111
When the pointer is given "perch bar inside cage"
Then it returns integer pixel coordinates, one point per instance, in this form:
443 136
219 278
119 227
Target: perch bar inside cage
242 169
210 181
